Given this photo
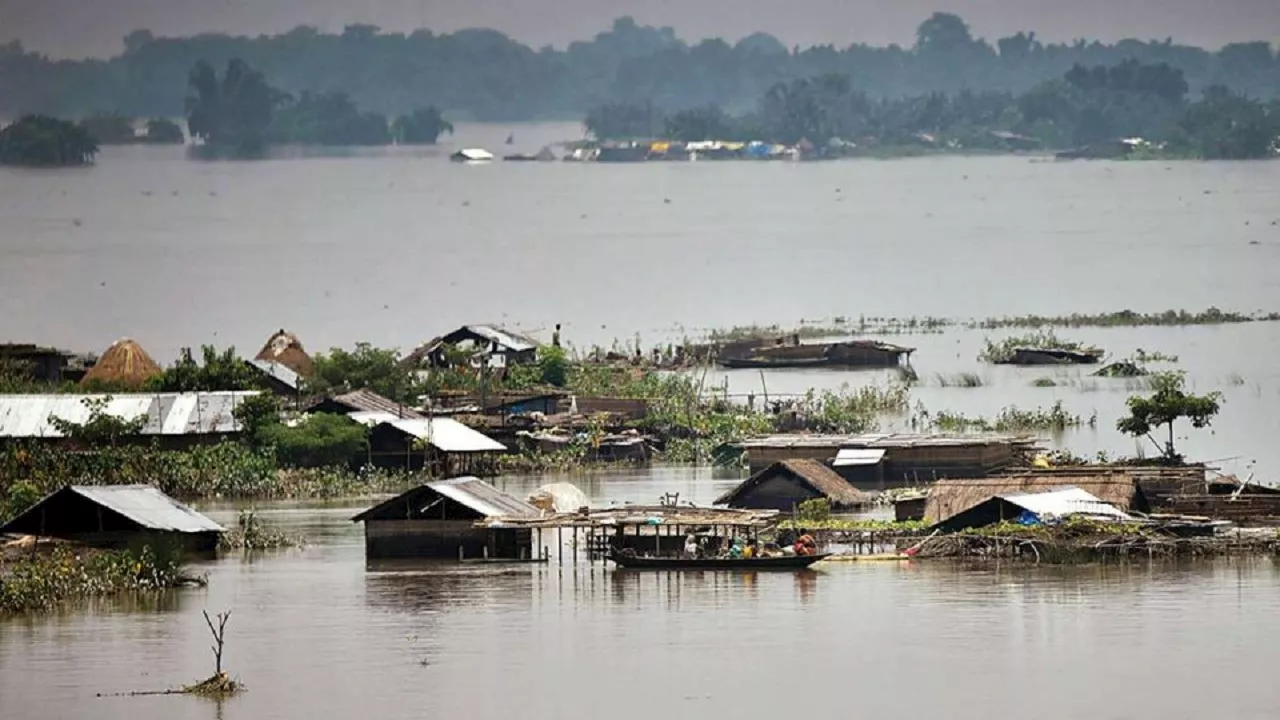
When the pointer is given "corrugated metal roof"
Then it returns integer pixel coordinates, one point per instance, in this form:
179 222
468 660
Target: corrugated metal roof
858 456
484 498
369 419
148 507
505 339
446 434
366 400
278 372
28 416
1063 502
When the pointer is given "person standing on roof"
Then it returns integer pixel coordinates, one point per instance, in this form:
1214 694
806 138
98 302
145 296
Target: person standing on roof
555 336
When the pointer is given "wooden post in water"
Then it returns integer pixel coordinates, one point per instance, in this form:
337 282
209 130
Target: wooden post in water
560 543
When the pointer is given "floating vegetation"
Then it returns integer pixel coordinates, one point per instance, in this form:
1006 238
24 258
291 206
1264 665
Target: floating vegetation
1054 419
1126 318
1003 350
854 524
43 581
963 380
1043 382
1122 369
1141 356
1236 379
250 534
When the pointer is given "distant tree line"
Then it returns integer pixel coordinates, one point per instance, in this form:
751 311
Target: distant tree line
1087 105
243 112
484 74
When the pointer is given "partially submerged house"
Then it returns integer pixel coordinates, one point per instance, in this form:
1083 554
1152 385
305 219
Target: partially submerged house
488 343
855 353
1035 507
125 364
784 485
442 445
175 420
952 496
439 520
117 516
876 461
1053 356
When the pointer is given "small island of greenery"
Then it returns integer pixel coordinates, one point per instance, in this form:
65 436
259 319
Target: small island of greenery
42 141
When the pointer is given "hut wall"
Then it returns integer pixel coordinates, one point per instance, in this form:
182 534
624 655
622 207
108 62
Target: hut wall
759 458
863 477
200 543
860 355
440 539
909 509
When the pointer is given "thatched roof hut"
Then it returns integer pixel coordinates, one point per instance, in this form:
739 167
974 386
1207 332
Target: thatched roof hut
785 484
124 364
285 348
951 496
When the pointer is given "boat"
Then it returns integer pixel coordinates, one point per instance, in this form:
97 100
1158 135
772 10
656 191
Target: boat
780 562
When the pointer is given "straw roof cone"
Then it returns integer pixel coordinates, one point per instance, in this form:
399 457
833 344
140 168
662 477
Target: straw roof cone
285 348
125 363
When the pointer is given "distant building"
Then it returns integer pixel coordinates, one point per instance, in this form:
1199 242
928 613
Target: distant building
363 400
116 516
46 364
442 445
438 520
493 344
784 485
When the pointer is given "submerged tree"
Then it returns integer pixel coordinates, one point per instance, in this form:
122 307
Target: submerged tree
235 111
42 141
423 126
1169 403
328 118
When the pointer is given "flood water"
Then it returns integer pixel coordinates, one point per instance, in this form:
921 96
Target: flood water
317 633
395 246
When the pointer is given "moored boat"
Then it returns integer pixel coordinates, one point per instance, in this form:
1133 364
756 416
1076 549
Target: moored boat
780 562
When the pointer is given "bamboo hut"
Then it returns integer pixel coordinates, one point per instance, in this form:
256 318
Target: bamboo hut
951 496
124 364
284 348
785 484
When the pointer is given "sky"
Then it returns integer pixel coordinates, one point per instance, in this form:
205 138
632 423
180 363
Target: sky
94 28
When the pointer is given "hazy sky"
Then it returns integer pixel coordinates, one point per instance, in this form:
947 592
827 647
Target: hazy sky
77 28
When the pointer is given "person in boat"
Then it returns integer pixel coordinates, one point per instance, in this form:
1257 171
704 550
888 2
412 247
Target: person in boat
691 546
736 549
805 545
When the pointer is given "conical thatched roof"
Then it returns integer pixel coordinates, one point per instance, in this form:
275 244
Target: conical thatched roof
125 363
285 348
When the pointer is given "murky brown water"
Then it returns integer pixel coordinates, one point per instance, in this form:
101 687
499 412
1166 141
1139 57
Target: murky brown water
393 247
315 633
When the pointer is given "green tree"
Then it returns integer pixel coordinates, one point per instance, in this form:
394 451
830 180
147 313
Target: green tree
234 112
319 440
215 371
1169 404
1229 126
423 126
256 414
109 129
41 141
164 132
365 367
328 118
695 124
617 121
101 427
553 365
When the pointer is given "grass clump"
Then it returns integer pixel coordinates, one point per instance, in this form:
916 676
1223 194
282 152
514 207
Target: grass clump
250 534
1044 382
42 582
1127 318
961 380
1054 419
1143 357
